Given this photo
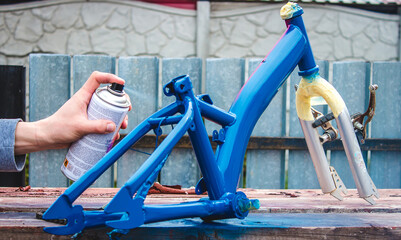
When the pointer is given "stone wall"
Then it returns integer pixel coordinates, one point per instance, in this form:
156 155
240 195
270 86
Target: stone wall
125 28
336 33
106 27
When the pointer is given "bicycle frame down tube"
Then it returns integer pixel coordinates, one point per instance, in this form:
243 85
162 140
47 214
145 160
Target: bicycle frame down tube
116 152
253 99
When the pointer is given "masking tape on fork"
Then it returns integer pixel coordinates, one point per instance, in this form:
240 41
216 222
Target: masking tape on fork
316 86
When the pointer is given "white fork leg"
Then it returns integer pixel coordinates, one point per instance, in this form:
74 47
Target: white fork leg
328 180
363 182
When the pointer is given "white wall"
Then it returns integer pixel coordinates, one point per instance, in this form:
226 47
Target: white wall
336 33
122 28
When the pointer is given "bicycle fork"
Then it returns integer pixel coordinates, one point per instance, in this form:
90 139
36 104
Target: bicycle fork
330 182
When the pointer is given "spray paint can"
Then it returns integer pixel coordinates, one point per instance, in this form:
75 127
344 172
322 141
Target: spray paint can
109 103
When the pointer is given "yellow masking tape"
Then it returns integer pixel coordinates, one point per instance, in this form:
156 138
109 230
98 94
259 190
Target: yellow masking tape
287 10
316 86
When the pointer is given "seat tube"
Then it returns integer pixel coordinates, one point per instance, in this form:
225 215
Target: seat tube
200 141
206 158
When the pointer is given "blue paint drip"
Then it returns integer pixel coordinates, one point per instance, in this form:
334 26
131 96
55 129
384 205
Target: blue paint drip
116 234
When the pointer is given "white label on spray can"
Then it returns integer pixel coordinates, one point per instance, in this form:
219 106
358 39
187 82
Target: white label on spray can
87 151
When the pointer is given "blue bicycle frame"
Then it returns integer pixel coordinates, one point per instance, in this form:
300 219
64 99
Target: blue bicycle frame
220 170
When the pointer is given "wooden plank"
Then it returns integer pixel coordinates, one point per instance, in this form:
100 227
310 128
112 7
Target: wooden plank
385 167
271 123
181 167
351 79
83 66
224 79
49 89
271 200
283 143
141 75
255 226
283 214
301 172
274 226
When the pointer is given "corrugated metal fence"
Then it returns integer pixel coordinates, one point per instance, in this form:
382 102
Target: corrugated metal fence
53 79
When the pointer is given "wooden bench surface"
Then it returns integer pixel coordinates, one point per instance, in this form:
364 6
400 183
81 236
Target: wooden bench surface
303 214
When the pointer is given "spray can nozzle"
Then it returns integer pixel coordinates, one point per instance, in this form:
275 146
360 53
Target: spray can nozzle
117 87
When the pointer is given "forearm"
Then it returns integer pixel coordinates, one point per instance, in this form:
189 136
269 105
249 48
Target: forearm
26 138
33 137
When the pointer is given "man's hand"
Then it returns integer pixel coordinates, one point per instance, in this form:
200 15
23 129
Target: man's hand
69 123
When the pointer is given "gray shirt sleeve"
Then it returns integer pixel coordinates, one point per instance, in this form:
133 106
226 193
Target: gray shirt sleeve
9 162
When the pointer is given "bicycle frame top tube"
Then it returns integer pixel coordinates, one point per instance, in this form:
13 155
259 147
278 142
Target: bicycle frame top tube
292 49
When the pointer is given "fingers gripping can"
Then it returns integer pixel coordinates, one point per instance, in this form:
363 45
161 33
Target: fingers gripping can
109 103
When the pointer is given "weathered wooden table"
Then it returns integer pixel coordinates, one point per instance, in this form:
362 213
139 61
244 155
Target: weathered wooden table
294 214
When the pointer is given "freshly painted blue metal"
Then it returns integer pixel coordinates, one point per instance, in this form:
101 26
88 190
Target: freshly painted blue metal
260 88
155 122
156 213
306 64
216 114
220 170
272 123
